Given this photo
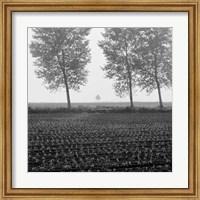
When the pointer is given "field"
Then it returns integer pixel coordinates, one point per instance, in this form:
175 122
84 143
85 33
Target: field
99 104
100 142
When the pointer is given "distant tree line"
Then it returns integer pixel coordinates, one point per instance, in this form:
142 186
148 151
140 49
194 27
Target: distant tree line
136 57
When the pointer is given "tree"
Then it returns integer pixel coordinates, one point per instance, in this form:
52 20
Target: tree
61 55
155 52
98 97
120 49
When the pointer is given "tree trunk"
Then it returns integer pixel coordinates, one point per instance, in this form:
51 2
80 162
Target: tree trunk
131 94
65 79
157 82
159 95
129 75
67 92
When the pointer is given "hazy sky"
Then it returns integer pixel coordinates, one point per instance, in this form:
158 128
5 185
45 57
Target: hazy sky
97 83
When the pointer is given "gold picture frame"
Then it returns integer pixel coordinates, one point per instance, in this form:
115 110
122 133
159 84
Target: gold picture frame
9 6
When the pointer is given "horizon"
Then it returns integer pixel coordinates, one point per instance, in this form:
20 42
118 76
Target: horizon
107 102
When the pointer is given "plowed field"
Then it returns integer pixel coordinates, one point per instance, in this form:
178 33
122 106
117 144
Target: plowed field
104 142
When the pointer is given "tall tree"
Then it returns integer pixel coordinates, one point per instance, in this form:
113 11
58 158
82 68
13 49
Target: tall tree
119 47
155 52
61 57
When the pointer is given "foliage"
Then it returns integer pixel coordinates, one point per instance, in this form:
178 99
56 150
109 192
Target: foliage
156 55
98 97
120 47
61 56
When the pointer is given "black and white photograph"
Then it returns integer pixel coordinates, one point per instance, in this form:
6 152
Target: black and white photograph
99 99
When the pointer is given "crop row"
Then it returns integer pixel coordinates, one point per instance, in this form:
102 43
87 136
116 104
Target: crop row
100 142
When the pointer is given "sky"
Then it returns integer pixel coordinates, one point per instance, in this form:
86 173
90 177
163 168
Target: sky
97 83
